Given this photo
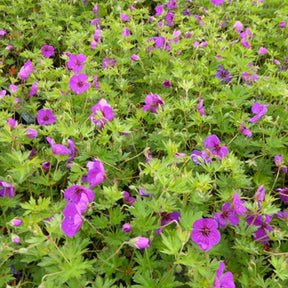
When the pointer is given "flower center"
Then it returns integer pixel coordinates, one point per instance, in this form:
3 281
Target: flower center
78 191
205 231
80 84
45 118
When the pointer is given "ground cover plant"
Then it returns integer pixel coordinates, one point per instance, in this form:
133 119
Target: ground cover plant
143 143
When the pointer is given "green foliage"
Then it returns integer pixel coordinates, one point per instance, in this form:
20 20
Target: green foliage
140 149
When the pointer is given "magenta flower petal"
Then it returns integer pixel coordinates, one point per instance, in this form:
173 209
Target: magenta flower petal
217 2
73 193
96 173
238 205
212 141
223 280
6 189
72 221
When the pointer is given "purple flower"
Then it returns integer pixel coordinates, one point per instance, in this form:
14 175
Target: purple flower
201 108
283 194
238 205
34 89
259 110
186 12
214 143
96 173
261 233
124 17
167 218
106 63
17 222
127 228
159 42
6 189
102 113
282 24
73 194
128 199
73 149
95 9
250 78
245 131
45 117
159 10
72 221
260 194
2 33
140 242
126 32
142 192
97 38
205 233
262 51
13 88
172 4
246 35
135 57
26 70
223 280
47 51
167 84
217 2
32 153
12 122
16 239
58 149
78 83
10 47
198 18
223 75
238 26
283 215
226 214
95 82
31 133
179 155
170 18
152 102
46 165
278 160
76 62
2 93
196 155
